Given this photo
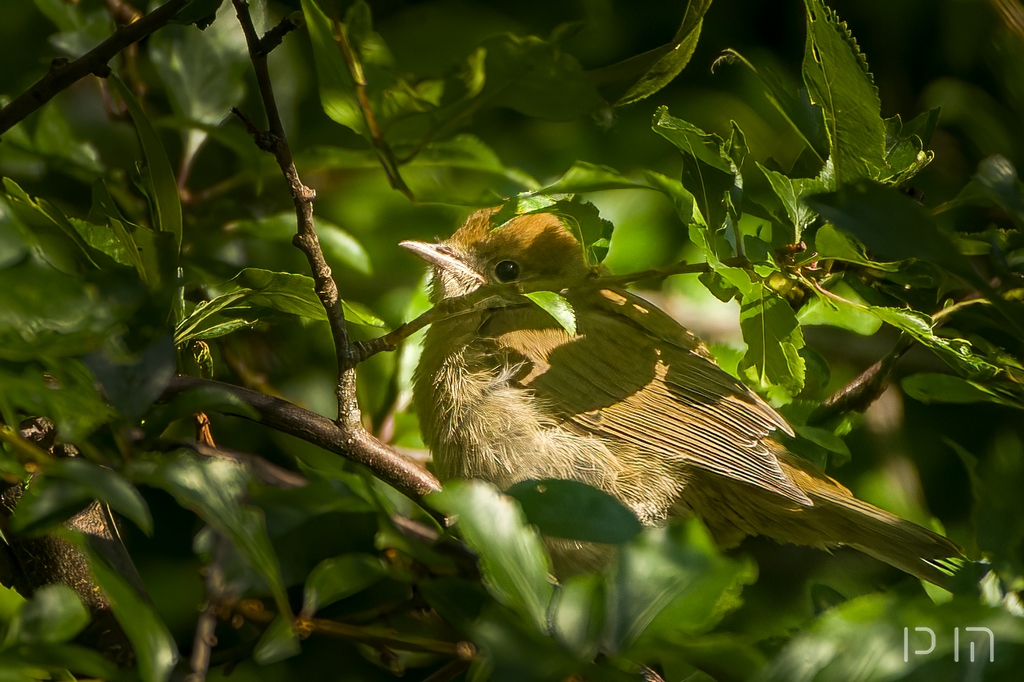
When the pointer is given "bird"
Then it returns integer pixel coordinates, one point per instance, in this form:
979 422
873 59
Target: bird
632 404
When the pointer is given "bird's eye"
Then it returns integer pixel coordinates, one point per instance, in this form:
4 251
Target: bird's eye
507 270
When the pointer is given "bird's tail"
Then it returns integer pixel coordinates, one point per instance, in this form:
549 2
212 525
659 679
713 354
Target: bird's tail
898 542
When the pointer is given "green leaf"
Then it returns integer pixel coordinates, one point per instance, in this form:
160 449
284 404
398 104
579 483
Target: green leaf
281 291
254 291
49 504
48 232
46 313
13 246
583 176
998 506
536 78
103 239
957 353
340 577
710 175
837 311
895 227
773 337
653 70
837 78
108 486
62 389
164 195
833 244
791 191
211 398
997 176
278 642
556 306
469 153
587 177
337 91
922 126
461 170
203 72
945 388
360 314
154 647
513 560
825 439
832 646
574 510
578 613
24 663
339 246
132 385
54 614
798 110
68 486
199 12
669 580
215 490
905 154
54 138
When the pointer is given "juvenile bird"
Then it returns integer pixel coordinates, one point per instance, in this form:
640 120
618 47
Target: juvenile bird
632 405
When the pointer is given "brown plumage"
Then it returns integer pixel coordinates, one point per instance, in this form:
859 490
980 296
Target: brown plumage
632 405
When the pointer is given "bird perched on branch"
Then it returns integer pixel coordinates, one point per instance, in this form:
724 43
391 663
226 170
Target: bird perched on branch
632 404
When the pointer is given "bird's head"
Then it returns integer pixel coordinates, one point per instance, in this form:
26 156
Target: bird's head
537 252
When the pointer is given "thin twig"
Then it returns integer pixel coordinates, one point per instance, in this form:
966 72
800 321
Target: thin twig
681 268
488 295
445 309
380 145
206 626
261 469
355 445
253 610
272 38
940 316
465 560
306 239
63 74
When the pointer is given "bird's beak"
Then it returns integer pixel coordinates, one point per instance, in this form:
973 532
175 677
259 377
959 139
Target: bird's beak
442 256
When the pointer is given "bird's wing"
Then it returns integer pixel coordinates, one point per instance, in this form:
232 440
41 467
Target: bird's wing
635 375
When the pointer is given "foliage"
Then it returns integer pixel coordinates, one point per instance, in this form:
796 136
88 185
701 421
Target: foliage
143 234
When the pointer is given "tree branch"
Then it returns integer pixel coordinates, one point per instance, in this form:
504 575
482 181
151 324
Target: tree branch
445 309
486 295
122 12
681 268
253 610
63 74
272 38
355 445
380 145
866 388
306 239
